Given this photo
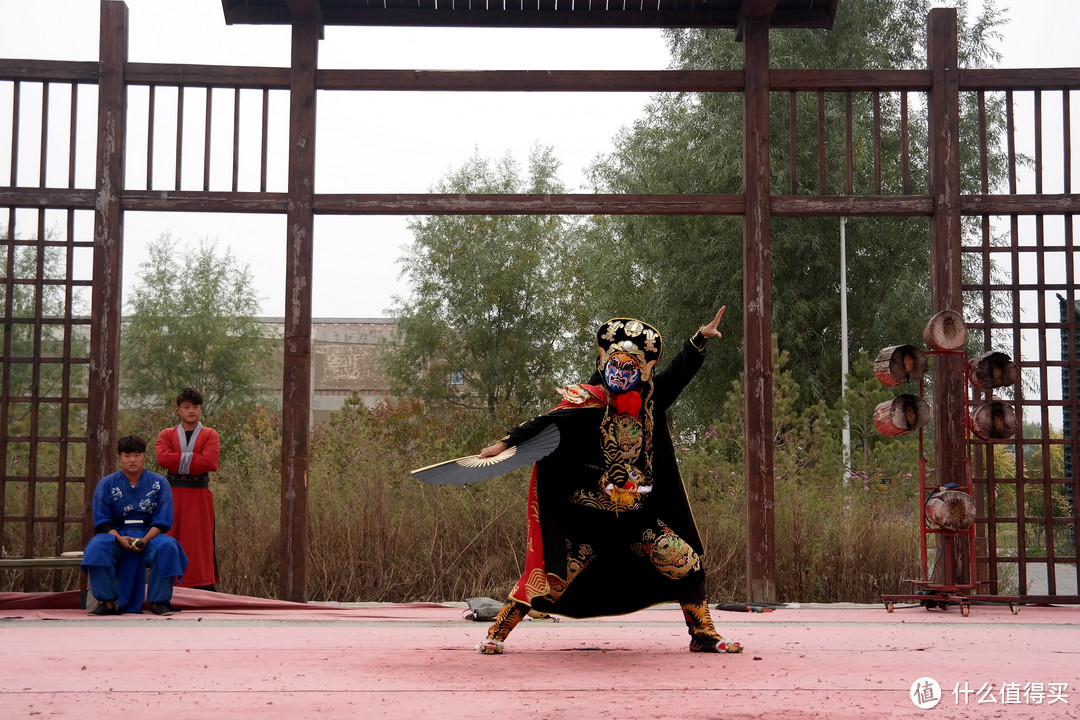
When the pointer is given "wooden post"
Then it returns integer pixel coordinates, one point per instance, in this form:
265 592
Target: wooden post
296 382
950 390
106 302
757 315
945 257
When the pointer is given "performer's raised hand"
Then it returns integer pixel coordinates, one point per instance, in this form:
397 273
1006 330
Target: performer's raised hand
710 330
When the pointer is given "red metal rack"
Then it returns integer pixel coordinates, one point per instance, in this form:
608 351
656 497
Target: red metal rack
950 591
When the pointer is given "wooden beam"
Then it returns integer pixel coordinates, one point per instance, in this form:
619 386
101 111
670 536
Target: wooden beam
32 197
1042 204
534 80
305 11
850 206
205 201
48 70
819 15
277 78
224 76
845 80
481 15
525 204
1019 79
481 204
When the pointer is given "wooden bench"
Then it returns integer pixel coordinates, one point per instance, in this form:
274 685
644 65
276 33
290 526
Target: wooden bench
68 559
64 560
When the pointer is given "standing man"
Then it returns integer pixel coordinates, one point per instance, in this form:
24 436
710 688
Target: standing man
189 453
133 508
610 529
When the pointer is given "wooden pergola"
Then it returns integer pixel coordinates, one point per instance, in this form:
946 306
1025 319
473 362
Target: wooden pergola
941 84
751 20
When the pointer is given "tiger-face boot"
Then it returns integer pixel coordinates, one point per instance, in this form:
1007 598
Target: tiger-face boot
511 614
703 635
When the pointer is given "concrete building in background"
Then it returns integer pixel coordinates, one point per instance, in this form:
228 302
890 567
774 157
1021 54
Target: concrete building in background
344 361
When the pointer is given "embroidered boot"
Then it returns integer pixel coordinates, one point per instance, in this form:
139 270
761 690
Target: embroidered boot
511 614
703 635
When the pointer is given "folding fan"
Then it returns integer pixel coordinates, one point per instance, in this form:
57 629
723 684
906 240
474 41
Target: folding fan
473 468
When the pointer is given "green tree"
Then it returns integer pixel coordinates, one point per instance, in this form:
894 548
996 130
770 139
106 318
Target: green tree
873 455
692 143
494 317
191 321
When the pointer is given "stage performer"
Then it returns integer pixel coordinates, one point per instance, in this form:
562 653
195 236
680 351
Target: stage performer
133 508
609 525
189 453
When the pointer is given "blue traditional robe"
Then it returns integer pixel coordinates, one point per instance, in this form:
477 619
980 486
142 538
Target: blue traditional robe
116 573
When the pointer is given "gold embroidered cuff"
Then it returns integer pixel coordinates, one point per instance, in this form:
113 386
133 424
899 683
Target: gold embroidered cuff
698 341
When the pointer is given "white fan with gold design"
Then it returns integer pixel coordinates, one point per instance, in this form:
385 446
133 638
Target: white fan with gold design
473 468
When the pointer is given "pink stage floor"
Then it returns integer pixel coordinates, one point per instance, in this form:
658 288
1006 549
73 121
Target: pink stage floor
236 657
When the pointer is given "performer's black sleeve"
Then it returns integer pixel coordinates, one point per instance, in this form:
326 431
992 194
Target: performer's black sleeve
670 381
527 429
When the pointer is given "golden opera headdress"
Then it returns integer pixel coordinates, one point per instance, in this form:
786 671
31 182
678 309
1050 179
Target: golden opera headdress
631 336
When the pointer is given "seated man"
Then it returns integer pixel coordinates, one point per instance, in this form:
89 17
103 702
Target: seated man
133 509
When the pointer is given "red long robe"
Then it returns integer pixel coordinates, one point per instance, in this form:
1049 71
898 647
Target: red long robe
193 508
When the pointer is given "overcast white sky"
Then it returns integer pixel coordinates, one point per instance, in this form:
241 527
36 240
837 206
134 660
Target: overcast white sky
404 142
